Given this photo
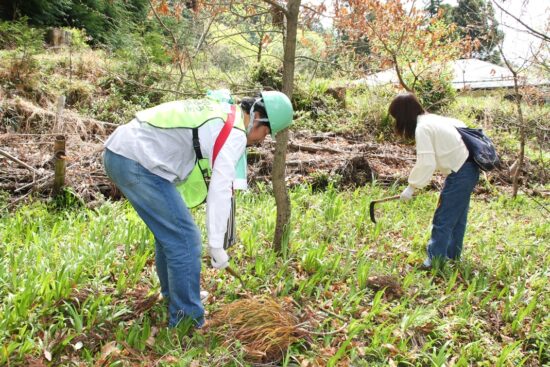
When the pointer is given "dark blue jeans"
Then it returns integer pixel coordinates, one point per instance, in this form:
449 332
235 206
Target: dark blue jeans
451 215
178 241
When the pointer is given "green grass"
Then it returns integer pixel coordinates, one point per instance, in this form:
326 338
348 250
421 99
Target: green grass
71 282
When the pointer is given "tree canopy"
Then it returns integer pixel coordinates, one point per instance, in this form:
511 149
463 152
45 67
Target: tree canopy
476 19
100 18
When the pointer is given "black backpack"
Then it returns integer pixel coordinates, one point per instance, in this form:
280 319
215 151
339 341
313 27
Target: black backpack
481 148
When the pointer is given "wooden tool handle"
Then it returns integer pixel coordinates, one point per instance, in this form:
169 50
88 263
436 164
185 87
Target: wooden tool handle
389 198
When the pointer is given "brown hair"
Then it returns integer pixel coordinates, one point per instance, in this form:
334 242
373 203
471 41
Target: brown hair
405 108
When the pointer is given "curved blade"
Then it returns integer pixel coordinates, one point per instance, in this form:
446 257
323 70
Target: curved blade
371 211
371 205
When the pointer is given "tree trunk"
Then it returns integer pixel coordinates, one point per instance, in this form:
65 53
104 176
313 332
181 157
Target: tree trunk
260 48
522 131
517 173
282 228
399 75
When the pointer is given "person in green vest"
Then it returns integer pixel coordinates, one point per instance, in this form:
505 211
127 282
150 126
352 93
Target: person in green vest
152 160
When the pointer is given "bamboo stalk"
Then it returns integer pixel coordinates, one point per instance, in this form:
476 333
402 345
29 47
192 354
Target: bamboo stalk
60 164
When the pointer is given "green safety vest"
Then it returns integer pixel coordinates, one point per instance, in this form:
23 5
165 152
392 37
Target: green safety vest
192 114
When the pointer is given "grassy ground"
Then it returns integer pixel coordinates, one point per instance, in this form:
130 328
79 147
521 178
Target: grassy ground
78 286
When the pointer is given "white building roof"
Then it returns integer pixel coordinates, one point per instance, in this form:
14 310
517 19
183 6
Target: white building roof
477 74
467 74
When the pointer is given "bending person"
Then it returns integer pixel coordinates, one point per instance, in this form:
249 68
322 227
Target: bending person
149 157
439 146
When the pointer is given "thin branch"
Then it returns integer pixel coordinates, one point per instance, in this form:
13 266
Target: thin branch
313 10
15 159
174 39
314 148
30 184
203 35
15 201
539 203
44 178
534 32
398 72
214 40
243 16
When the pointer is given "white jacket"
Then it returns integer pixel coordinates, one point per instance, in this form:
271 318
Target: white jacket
438 147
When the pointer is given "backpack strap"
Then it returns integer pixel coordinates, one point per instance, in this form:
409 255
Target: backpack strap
220 140
197 143
224 133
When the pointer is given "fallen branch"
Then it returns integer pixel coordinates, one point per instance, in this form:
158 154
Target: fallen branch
300 162
49 175
384 156
15 159
15 201
315 148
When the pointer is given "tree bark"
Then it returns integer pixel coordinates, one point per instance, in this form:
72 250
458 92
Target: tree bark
522 131
399 75
282 227
522 138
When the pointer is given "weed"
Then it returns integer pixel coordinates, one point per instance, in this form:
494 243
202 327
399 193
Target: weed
78 284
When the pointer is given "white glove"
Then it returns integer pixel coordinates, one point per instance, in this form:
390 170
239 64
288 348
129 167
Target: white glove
218 258
407 194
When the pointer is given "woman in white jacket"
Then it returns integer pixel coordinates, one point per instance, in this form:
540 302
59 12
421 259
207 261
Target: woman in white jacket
439 146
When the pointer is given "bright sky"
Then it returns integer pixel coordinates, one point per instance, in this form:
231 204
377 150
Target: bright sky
534 13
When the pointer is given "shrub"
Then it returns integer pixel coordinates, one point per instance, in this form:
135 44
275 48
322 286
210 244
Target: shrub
24 43
79 38
18 36
40 12
434 90
79 93
133 80
113 108
106 22
316 108
268 74
153 46
494 113
369 106
311 96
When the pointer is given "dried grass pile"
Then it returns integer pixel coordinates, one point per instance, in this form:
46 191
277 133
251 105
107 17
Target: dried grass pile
265 327
390 284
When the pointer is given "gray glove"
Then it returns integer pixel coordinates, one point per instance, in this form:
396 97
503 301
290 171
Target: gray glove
218 258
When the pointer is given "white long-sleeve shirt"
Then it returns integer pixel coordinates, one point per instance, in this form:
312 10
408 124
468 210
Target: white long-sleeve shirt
169 153
438 147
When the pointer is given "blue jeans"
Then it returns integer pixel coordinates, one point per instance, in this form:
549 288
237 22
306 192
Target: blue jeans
177 237
451 215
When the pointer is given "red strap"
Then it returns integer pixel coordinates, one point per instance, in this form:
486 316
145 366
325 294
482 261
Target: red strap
224 133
